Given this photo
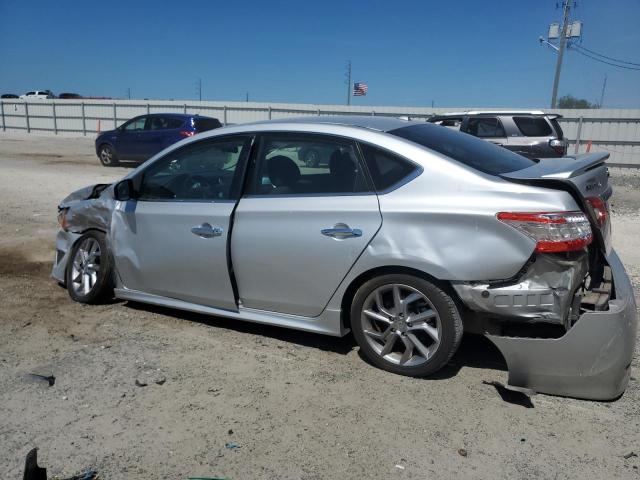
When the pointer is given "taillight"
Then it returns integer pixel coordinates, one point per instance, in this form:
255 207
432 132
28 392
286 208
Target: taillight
552 232
559 146
599 209
187 133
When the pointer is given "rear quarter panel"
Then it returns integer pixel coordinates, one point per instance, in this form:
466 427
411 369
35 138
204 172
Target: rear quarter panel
443 223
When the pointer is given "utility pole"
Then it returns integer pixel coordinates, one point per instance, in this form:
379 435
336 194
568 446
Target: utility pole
604 85
563 43
246 98
199 88
129 93
348 75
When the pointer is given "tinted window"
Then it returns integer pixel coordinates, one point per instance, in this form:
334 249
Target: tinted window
298 164
204 124
164 123
556 125
476 153
485 127
386 169
137 124
204 170
533 126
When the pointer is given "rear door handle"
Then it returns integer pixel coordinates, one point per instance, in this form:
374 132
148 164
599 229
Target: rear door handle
206 231
340 231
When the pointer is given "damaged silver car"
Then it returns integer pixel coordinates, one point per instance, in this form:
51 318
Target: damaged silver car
409 235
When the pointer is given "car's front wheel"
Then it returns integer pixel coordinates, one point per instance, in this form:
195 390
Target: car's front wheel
88 274
108 156
405 324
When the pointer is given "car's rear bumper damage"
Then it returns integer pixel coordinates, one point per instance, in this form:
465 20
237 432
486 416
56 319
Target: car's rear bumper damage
592 360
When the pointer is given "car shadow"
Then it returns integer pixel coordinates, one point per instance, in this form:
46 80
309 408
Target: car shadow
475 351
341 345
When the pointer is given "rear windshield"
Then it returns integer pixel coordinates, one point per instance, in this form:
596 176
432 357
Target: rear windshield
204 124
533 126
558 128
464 148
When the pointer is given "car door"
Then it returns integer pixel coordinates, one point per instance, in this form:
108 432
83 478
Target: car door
172 239
298 229
486 127
152 138
128 144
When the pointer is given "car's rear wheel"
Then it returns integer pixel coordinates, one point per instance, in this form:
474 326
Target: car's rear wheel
405 324
108 156
88 275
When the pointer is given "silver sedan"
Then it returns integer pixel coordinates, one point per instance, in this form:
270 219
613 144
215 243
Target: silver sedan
404 233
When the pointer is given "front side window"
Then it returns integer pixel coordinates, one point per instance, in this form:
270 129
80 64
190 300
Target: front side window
485 127
533 126
301 164
137 124
207 170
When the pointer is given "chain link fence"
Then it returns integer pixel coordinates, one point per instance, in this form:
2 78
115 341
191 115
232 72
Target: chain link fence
616 131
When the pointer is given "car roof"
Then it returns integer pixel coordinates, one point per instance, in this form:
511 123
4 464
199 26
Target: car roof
371 122
492 112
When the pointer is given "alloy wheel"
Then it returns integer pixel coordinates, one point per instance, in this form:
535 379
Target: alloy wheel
401 325
86 266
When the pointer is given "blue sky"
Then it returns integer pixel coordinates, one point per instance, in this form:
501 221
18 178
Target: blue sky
462 53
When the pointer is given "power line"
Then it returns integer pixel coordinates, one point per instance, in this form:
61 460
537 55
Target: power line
607 57
603 61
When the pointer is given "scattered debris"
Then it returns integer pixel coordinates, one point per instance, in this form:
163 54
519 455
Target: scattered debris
630 455
207 478
522 440
401 467
231 445
148 377
230 432
31 469
514 395
26 324
462 452
47 378
33 472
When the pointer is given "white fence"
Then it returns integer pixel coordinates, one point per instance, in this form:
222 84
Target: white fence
616 131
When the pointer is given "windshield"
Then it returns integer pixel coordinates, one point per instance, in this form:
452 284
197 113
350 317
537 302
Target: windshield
464 148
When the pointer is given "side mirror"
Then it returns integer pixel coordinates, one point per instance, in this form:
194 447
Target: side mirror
123 190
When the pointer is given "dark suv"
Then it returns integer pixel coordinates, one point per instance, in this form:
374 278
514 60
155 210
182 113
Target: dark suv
142 137
532 134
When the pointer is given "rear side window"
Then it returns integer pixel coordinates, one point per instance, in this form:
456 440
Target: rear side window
204 124
533 126
386 169
485 127
478 154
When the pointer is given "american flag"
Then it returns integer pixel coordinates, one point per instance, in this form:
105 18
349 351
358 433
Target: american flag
359 89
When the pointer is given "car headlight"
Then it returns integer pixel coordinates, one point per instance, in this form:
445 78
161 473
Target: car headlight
62 218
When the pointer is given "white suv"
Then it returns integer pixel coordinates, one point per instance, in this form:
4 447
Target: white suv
39 94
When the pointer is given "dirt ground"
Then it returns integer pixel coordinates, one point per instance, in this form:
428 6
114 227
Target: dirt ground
298 405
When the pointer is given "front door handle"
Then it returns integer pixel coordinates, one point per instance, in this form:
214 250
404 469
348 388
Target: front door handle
340 231
206 231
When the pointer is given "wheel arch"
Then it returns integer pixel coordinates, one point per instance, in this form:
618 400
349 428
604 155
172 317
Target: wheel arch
356 283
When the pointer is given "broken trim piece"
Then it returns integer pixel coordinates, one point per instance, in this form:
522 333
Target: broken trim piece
591 361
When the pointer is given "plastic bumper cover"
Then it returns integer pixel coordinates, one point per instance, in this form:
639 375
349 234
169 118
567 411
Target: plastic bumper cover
64 242
592 360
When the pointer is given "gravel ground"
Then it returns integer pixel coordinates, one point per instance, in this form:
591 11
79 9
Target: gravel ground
299 406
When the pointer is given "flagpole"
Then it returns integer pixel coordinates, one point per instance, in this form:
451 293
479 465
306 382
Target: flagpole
349 82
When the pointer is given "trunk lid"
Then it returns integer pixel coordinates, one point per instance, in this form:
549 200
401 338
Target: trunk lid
585 177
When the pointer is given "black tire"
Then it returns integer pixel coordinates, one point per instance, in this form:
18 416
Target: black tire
108 156
450 324
101 288
311 157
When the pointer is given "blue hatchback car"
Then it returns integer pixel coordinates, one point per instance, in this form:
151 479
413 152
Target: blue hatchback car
142 137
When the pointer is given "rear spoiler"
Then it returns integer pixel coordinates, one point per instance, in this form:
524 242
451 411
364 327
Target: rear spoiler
559 168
